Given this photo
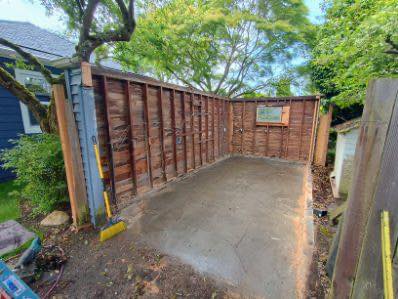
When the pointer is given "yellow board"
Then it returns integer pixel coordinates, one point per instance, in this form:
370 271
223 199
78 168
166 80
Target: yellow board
386 256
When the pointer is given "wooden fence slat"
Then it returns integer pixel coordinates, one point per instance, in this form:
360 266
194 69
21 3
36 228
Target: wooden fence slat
72 157
301 130
242 128
191 109
200 130
213 129
147 134
313 130
322 140
131 143
173 125
254 129
110 143
161 129
288 130
207 129
184 130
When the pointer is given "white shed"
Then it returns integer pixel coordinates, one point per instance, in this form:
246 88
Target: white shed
347 136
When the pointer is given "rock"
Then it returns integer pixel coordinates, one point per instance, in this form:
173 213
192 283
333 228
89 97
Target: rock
55 218
12 236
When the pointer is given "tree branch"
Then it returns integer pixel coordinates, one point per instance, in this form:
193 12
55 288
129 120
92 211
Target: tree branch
33 61
27 97
393 45
88 17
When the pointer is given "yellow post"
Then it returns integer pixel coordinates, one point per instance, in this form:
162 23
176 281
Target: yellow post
386 256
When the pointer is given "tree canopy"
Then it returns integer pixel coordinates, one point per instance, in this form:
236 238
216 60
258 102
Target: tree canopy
223 46
357 42
96 22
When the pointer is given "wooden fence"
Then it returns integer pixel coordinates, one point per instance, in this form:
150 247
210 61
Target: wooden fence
358 268
151 132
292 140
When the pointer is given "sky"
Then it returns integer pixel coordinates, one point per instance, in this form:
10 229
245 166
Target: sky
34 12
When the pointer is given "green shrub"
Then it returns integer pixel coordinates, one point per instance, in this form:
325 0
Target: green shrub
38 164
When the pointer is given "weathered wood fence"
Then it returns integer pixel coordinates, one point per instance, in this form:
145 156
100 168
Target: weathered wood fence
151 132
358 267
292 140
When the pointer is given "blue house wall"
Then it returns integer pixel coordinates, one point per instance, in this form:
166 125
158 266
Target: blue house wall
11 124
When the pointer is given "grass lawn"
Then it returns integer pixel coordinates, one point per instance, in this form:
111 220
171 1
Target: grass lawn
9 205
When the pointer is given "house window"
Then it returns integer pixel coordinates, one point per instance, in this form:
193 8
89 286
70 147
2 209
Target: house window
272 115
36 83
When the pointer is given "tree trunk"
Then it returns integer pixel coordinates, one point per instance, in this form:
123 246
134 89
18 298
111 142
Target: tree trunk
39 111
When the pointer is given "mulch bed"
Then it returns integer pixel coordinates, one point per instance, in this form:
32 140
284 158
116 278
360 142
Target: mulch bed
319 282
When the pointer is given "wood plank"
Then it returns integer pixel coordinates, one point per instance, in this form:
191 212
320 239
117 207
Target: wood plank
72 157
201 130
147 134
242 127
213 128
131 143
313 131
191 109
87 79
322 140
173 126
161 129
184 131
230 127
109 131
207 129
301 130
254 126
288 131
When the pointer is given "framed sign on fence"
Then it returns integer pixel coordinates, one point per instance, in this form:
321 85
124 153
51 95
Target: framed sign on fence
272 115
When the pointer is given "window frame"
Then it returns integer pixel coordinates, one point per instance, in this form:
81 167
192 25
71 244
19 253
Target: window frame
284 116
20 76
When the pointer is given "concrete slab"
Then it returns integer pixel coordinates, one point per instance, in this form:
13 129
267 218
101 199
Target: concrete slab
12 236
241 221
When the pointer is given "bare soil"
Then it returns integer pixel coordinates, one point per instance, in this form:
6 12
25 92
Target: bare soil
77 265
319 282
120 267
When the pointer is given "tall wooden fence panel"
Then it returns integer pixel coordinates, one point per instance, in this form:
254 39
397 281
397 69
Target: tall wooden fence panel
292 140
151 132
358 267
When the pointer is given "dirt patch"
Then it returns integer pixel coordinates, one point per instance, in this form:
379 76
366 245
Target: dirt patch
77 265
319 282
120 267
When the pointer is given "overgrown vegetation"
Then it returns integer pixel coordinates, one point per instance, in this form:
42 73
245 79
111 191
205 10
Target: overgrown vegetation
38 164
355 44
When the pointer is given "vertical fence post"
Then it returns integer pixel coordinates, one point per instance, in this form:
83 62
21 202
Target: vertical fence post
81 92
322 141
72 157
